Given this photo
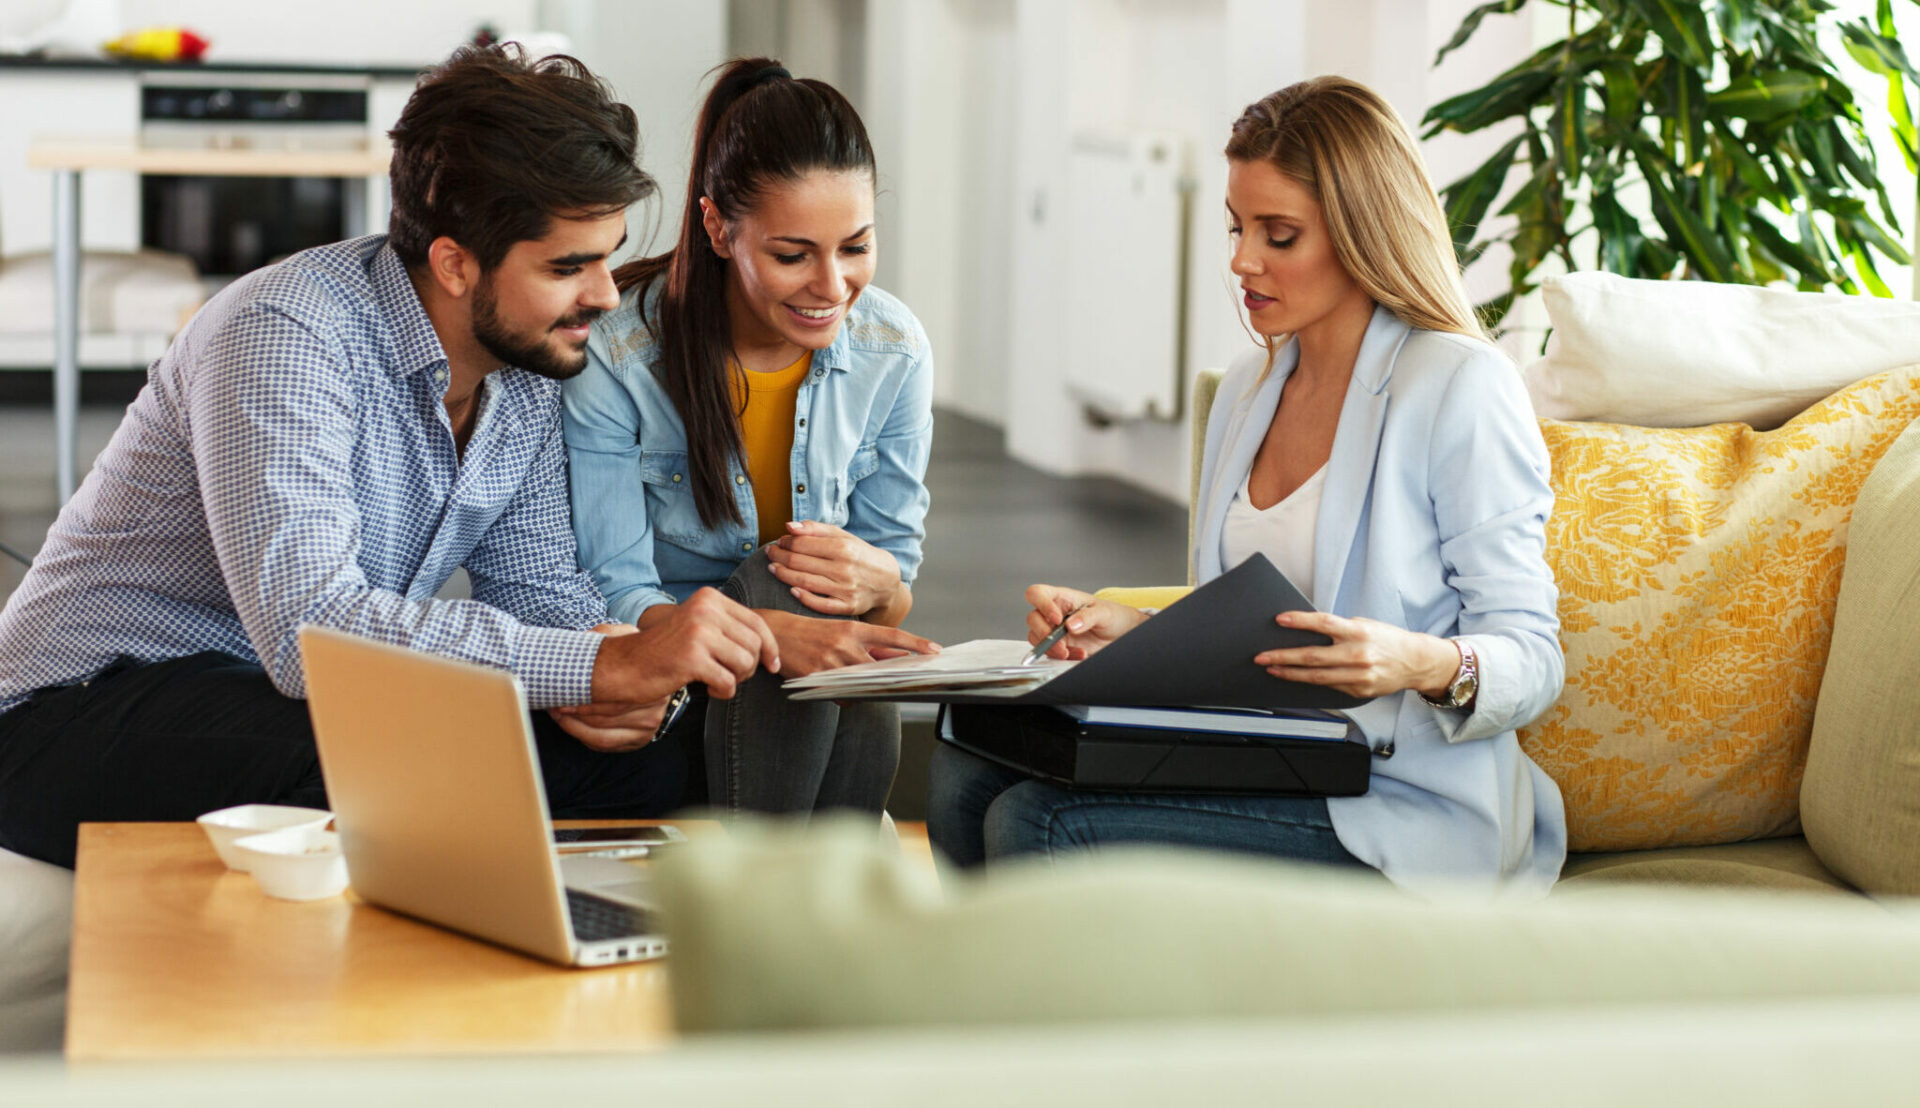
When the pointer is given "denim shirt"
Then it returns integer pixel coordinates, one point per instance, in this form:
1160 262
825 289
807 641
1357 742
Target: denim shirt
862 430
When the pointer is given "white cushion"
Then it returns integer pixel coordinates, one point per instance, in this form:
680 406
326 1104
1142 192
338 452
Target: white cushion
1691 353
36 929
148 291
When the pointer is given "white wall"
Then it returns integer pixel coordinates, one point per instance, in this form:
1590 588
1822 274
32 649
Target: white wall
656 55
973 104
412 32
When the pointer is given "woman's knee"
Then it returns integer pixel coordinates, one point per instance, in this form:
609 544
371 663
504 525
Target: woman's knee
753 584
1031 817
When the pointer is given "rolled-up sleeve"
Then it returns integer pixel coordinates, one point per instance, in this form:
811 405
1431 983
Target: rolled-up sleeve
273 414
1491 497
888 507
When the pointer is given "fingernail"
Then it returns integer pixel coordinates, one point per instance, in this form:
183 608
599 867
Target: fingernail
936 647
1076 625
771 568
775 667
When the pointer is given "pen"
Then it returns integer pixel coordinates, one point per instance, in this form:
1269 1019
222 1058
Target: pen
1051 639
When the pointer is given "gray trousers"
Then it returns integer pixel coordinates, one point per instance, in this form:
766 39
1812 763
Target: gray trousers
766 753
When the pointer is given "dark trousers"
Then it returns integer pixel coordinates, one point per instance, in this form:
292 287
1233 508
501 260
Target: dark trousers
171 740
768 753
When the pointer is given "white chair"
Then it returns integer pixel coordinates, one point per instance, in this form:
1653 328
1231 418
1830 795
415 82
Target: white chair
131 304
36 925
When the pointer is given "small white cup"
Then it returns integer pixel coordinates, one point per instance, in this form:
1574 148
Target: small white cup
227 825
296 863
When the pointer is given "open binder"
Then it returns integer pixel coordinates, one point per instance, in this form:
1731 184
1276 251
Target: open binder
1198 651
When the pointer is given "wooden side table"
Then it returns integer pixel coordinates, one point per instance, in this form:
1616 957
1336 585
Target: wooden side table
175 957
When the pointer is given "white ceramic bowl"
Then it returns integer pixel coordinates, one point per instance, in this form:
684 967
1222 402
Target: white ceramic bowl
296 863
229 824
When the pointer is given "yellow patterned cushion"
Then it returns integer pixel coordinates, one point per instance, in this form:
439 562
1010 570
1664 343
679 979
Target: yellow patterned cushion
1698 570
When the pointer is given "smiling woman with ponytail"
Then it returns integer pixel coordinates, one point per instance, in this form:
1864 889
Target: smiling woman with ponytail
756 416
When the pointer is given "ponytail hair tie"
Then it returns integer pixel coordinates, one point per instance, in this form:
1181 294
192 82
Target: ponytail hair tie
769 73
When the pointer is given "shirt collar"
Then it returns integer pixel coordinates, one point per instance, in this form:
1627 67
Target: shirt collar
838 355
416 345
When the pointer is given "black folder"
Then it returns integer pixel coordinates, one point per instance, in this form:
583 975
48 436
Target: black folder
1198 651
1050 744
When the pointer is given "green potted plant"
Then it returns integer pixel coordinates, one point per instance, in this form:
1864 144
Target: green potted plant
1751 148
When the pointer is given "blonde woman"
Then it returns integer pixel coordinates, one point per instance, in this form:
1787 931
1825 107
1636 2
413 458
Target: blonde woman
1385 457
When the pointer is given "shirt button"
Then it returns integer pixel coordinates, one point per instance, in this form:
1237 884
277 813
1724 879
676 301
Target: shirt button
799 488
746 546
676 478
803 421
739 478
819 373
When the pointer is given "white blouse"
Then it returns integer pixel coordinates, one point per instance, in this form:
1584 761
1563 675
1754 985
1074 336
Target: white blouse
1283 532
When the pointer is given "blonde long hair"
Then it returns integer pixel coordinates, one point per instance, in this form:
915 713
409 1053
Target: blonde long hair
1347 147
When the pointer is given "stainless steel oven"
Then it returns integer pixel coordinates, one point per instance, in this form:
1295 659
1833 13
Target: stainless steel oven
230 225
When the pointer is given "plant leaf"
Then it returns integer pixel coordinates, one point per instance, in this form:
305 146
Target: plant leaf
1684 228
1472 23
1789 252
1681 25
1468 199
1764 96
1739 23
1512 93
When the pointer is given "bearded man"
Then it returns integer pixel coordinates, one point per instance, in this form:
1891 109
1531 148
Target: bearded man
326 442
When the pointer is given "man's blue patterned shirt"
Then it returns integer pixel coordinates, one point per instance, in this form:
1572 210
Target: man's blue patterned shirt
290 461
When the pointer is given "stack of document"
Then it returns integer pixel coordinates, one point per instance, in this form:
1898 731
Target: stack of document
984 667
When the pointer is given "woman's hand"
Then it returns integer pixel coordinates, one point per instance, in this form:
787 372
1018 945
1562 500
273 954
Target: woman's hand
1366 657
832 571
808 645
1096 623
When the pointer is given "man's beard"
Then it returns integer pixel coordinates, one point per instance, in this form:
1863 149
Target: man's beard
531 354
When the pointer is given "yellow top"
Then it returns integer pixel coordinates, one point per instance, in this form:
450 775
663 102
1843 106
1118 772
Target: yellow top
766 429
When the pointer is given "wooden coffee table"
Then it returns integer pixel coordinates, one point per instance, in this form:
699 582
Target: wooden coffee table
175 957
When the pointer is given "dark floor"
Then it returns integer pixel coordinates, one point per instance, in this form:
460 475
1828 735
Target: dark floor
996 526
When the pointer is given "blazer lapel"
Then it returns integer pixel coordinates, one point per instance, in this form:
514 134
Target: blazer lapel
1252 415
1356 446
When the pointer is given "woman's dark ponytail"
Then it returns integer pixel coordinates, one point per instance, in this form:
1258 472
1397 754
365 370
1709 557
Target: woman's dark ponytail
759 126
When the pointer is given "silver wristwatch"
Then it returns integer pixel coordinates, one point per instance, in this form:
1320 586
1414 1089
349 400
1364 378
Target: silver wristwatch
1465 683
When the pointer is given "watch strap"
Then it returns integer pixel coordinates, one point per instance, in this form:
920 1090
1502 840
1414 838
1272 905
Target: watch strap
1465 684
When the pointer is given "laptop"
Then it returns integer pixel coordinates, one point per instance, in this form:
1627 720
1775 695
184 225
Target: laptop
435 786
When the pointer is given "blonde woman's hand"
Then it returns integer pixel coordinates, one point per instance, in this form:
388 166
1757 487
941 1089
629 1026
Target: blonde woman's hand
1366 658
1092 627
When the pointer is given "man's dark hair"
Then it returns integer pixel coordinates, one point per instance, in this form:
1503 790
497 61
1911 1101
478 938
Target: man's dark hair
493 145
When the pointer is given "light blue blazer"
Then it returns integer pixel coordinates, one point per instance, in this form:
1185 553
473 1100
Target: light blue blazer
1433 517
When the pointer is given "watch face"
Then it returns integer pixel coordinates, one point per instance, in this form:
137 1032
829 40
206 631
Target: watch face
1462 692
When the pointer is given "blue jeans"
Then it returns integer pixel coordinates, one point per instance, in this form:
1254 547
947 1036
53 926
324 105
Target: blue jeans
979 811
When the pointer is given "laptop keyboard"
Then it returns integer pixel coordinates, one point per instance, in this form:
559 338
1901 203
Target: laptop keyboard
597 918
